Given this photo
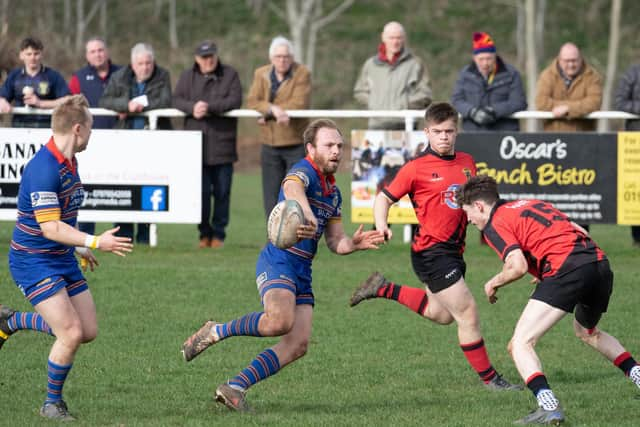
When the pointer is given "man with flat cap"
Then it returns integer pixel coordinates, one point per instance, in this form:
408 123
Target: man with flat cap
204 93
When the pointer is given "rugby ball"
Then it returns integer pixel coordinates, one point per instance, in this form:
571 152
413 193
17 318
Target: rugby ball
283 223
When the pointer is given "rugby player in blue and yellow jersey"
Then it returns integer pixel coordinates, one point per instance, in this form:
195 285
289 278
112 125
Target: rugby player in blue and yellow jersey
41 257
283 276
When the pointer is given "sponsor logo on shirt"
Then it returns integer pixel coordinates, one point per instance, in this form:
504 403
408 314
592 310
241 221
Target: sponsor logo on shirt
261 279
43 88
448 196
43 198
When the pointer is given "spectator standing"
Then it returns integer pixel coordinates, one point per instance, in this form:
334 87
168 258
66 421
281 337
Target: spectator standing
204 92
279 86
90 81
569 88
33 85
140 86
488 90
627 98
393 79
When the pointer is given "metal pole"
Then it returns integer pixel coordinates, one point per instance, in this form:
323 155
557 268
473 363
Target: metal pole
153 228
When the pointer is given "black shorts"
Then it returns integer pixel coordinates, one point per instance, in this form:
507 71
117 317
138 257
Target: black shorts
587 289
437 270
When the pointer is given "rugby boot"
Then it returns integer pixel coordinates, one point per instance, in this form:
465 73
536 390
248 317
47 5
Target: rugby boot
5 332
368 289
542 416
56 411
232 398
204 337
498 383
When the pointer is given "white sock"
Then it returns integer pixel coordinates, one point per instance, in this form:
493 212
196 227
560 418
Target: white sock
634 374
547 400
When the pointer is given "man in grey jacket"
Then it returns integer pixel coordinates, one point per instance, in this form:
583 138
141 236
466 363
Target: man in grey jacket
393 79
488 90
204 92
140 86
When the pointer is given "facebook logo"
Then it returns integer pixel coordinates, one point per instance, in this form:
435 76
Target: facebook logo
154 198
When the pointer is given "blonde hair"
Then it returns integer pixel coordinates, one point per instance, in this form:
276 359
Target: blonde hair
74 110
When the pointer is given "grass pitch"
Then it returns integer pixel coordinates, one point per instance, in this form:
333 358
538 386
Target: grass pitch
376 364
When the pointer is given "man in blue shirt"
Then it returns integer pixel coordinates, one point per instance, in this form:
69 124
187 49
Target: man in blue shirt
32 85
283 276
41 255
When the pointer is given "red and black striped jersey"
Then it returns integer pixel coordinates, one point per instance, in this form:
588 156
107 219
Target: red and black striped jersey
550 243
431 182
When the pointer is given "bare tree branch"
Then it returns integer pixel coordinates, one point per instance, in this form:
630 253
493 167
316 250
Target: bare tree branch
532 59
612 59
275 9
331 16
173 31
4 25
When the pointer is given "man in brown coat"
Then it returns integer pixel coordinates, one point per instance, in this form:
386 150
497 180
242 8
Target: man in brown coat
279 86
569 88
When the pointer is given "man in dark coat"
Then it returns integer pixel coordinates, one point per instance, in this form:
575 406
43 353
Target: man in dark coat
628 99
204 92
488 90
140 86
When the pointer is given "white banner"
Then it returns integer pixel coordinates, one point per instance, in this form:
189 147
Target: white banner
128 175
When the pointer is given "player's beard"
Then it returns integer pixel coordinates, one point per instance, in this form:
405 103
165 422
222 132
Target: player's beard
327 166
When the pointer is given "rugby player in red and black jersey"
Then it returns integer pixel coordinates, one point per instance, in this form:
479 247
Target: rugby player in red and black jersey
570 272
431 181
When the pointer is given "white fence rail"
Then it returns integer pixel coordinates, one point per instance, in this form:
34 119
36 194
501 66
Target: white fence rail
409 116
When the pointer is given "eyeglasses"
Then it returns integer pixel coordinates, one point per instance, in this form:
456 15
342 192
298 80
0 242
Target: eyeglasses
282 57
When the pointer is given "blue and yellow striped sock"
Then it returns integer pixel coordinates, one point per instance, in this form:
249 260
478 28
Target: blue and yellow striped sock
246 325
27 320
264 365
56 375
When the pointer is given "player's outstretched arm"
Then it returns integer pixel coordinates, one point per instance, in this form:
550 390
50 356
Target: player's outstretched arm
63 233
340 243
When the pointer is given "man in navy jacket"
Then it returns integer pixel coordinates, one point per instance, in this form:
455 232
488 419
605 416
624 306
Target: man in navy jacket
90 81
488 90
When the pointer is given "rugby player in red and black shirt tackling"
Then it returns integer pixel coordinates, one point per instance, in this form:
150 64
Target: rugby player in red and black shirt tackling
431 181
570 272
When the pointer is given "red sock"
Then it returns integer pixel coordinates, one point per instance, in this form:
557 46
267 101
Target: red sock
625 362
413 298
476 354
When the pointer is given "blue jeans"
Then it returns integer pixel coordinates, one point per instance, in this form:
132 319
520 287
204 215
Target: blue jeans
276 162
216 182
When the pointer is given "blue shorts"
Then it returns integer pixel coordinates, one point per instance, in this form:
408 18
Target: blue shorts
278 269
40 277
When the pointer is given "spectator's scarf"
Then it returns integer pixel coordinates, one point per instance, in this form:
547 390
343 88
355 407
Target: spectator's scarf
382 55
